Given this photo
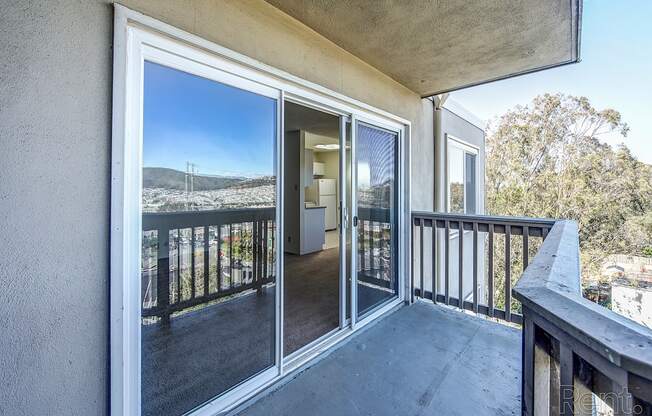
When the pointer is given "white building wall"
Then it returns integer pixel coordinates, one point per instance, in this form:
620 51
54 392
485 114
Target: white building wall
634 303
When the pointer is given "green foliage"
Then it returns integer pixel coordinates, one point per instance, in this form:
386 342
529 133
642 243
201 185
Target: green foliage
546 160
457 197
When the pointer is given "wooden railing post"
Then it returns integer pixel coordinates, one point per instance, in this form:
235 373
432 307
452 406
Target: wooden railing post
527 381
566 382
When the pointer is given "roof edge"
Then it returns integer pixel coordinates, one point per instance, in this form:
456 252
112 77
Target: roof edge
576 43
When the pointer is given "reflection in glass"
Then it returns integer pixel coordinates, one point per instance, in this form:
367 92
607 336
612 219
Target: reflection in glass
208 210
470 191
377 198
455 179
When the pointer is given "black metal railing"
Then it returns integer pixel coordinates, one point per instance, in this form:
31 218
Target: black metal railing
196 257
578 357
479 231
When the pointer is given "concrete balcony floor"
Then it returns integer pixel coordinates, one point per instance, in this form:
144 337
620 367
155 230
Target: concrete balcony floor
423 359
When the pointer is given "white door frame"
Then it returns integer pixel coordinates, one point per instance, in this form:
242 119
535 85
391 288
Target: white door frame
137 36
402 220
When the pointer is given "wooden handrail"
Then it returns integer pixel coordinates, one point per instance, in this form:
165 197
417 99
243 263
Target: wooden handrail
588 340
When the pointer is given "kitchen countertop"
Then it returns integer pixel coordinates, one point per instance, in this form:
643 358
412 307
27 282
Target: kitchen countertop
316 207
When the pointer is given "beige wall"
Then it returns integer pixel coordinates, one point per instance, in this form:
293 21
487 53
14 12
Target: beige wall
260 31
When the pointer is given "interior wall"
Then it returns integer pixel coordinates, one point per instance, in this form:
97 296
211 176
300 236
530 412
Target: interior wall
292 195
331 161
55 119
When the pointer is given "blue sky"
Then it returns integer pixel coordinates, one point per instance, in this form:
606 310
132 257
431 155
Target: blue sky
223 130
615 72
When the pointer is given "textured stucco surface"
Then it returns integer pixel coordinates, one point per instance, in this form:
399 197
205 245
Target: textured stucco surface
55 141
432 46
55 112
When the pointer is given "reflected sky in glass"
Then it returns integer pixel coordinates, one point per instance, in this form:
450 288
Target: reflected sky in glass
221 129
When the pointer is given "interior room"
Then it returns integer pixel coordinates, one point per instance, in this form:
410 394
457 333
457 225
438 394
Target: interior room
311 225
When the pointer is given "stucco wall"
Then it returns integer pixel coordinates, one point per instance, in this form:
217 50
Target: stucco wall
55 132
55 118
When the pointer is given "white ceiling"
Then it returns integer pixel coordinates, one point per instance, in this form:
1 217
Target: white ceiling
323 126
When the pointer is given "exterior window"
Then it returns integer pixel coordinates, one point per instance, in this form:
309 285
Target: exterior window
462 178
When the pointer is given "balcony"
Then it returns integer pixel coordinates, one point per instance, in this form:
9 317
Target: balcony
496 323
423 359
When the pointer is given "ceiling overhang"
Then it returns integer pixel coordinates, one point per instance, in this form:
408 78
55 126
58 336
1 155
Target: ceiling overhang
438 46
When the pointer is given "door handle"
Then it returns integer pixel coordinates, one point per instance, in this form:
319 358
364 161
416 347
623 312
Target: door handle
355 220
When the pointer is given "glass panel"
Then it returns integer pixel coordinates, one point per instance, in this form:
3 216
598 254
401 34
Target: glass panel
311 273
377 198
455 179
208 210
470 190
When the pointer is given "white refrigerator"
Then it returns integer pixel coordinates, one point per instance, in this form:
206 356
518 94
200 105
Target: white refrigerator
325 193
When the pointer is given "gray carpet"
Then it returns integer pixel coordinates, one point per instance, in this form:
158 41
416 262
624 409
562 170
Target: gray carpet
311 297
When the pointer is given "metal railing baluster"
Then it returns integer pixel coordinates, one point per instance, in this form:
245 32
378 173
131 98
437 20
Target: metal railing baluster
412 225
508 272
433 262
206 260
219 258
447 262
490 272
193 249
421 264
475 267
460 298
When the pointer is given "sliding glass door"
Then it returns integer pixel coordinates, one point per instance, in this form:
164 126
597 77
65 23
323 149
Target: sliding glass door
198 216
209 240
376 216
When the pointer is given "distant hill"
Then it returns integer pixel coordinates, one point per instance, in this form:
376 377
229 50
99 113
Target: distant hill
255 182
174 179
